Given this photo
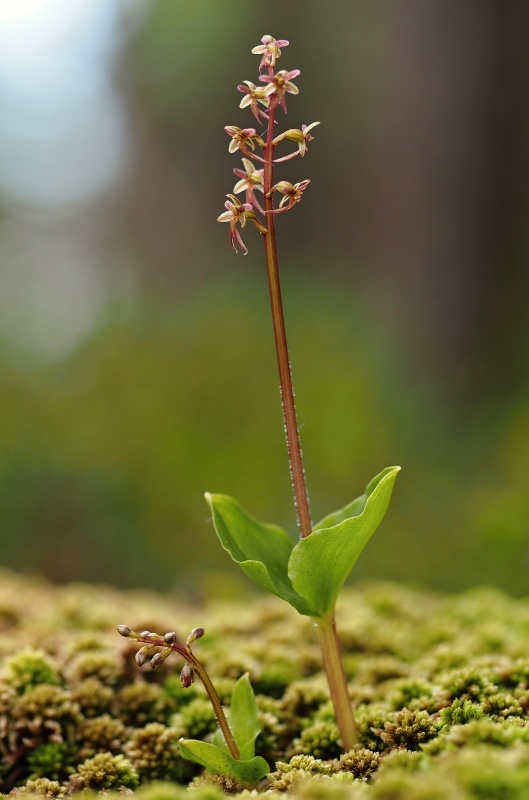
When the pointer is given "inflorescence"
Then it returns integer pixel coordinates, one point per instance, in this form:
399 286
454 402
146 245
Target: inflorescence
263 102
168 644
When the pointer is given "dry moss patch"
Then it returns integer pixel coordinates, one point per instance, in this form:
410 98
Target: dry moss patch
440 684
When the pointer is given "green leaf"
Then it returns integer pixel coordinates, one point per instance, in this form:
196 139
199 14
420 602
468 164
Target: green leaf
216 760
262 551
243 719
320 563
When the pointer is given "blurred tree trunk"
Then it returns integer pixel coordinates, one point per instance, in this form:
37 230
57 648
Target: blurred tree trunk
446 235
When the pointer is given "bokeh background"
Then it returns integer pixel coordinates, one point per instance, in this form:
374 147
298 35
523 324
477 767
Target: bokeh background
136 353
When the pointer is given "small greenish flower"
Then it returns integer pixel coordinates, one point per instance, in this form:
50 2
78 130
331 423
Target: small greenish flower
251 179
301 137
242 138
253 95
293 193
269 49
279 85
239 213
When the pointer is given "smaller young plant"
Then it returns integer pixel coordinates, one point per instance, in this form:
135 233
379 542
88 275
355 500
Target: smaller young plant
232 751
309 574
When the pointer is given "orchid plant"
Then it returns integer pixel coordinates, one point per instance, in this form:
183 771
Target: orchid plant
232 751
310 573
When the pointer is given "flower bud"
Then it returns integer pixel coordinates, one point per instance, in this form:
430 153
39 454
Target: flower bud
141 656
156 660
124 631
143 634
187 676
170 638
196 633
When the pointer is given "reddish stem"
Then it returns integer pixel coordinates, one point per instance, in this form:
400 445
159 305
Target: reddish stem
301 499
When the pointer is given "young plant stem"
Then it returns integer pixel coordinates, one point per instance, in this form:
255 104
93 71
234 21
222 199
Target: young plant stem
301 499
333 665
217 706
329 643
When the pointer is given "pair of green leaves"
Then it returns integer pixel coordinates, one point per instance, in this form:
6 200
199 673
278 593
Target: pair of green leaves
244 723
309 574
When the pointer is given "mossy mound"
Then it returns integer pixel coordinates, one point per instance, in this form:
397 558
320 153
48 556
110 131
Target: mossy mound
440 684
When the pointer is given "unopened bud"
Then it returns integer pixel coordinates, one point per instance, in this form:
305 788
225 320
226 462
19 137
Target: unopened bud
156 660
124 631
196 633
187 676
141 656
170 638
143 634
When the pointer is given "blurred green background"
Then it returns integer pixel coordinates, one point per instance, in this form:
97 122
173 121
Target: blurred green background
136 352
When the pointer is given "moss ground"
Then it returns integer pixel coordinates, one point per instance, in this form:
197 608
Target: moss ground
440 684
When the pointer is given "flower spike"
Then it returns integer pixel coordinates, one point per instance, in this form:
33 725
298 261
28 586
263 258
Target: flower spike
269 49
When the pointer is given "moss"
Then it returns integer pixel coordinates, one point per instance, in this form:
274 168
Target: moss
361 763
303 698
29 668
428 676
370 721
461 712
413 693
195 720
52 760
503 704
409 760
45 712
277 728
142 702
95 664
154 753
483 731
467 683
162 790
103 773
289 775
225 783
92 697
319 740
402 785
101 734
408 729
43 787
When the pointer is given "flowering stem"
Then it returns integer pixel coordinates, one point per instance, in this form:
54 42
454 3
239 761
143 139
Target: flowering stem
301 499
333 665
217 706
190 658
329 643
